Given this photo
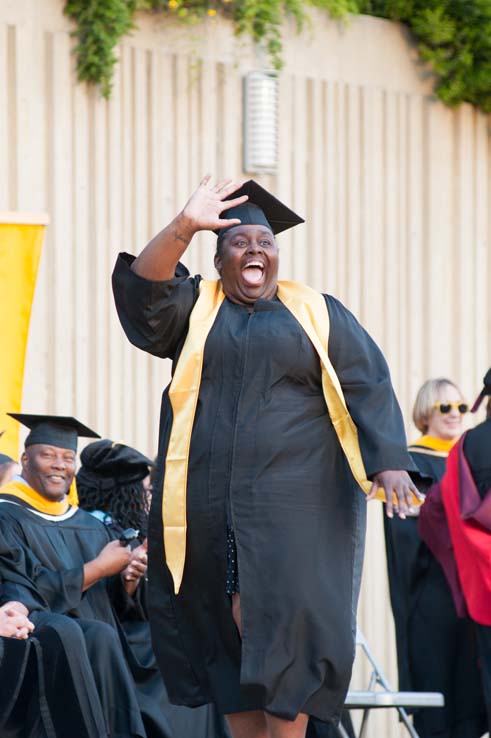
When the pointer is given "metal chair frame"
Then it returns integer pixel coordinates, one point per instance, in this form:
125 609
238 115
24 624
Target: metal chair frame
384 696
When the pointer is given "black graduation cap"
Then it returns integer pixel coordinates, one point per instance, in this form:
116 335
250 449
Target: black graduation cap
260 209
54 430
486 390
112 460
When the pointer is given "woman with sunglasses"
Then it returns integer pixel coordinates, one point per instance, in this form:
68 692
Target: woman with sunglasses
436 650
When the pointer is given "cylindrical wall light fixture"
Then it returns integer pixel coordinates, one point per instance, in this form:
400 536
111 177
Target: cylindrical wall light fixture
261 122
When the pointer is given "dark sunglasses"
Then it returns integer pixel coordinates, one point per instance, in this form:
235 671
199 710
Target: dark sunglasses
445 407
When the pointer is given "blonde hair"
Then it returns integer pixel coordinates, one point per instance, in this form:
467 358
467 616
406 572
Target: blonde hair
427 396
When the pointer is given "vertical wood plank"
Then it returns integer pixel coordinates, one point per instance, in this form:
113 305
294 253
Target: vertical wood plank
300 179
63 318
416 204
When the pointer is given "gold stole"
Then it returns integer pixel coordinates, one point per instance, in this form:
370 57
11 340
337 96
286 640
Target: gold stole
432 446
38 502
310 310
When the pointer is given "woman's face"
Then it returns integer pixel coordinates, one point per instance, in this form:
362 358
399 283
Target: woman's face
248 264
450 425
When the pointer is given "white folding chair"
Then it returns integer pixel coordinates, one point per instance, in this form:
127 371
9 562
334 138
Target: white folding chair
380 695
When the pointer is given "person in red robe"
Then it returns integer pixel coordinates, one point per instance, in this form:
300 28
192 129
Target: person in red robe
455 522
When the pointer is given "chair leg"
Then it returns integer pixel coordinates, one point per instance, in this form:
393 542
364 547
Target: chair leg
405 719
342 731
364 723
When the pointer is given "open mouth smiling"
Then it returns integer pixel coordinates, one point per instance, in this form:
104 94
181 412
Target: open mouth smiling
253 271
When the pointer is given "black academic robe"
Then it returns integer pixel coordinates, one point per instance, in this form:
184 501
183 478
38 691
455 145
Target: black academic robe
47 686
41 565
265 460
406 552
477 450
436 650
202 722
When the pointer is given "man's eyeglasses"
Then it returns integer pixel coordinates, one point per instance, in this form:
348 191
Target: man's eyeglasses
445 407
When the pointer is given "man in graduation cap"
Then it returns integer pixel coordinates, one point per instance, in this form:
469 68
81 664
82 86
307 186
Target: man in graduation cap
64 566
279 410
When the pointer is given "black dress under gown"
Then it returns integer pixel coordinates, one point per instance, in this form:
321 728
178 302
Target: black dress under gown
266 461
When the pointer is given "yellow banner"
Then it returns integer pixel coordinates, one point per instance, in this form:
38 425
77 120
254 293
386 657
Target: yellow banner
20 251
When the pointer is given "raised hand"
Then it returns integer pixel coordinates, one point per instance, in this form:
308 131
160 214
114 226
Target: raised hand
204 208
203 211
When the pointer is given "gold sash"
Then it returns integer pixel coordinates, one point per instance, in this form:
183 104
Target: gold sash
310 310
183 395
432 446
38 502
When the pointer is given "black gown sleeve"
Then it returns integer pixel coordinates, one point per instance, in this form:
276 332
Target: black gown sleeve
477 451
431 468
366 384
26 580
154 315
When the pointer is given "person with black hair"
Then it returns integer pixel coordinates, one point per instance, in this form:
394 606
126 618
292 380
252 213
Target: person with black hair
75 576
280 412
113 484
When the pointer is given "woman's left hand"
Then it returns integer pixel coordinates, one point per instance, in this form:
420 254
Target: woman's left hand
136 569
398 482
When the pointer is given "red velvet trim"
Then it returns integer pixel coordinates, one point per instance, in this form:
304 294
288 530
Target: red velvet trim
471 540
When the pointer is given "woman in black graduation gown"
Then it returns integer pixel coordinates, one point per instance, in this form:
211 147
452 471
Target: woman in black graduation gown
113 484
436 650
263 621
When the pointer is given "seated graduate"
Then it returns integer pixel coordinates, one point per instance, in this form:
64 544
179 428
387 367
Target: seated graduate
113 484
67 569
39 697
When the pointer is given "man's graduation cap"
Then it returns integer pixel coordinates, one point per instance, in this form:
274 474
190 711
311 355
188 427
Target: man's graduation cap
61 431
260 209
486 390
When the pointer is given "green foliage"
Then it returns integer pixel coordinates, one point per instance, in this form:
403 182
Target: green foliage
99 25
453 36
